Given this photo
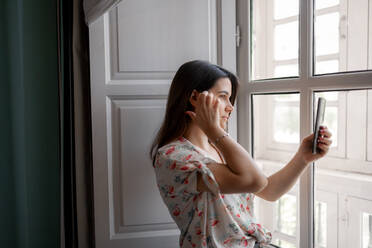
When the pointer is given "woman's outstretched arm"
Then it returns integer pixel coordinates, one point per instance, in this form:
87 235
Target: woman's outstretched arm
282 181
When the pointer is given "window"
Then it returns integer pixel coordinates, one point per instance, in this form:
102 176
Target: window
297 51
276 135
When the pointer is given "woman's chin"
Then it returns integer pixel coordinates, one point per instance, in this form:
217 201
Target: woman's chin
223 125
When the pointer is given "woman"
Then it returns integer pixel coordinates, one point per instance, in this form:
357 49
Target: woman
205 178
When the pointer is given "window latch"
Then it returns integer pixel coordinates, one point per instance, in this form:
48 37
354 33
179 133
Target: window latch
237 35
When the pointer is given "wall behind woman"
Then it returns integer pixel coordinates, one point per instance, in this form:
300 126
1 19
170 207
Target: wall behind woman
29 143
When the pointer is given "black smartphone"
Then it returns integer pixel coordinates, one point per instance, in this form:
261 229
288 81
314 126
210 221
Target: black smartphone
318 121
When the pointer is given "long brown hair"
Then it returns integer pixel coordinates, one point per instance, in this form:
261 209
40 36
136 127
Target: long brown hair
199 75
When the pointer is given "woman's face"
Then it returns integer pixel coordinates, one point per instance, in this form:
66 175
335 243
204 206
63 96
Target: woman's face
222 90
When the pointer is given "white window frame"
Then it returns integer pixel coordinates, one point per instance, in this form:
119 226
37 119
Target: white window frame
306 84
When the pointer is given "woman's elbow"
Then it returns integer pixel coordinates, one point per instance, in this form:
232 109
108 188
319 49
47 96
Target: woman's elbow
258 184
262 183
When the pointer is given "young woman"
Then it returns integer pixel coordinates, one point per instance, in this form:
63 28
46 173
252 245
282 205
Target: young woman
205 178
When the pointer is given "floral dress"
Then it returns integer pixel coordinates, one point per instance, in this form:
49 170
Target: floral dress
205 219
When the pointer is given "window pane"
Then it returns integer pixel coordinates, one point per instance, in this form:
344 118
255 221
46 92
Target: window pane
283 244
275 140
345 168
286 215
285 125
367 230
274 39
286 41
343 35
285 8
285 70
326 34
320 224
328 66
326 3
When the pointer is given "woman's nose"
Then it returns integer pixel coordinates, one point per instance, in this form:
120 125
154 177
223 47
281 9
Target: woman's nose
229 107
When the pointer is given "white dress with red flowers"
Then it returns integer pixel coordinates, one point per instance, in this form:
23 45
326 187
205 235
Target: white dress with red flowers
205 219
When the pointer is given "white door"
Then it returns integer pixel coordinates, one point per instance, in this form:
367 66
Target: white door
135 50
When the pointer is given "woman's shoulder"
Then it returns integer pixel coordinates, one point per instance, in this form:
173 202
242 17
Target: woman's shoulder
177 149
177 144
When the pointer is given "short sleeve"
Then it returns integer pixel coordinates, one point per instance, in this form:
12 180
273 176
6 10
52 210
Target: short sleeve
177 172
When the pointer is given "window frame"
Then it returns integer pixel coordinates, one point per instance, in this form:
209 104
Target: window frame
306 84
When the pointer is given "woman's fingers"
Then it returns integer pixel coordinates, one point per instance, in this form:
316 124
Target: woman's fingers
324 132
191 114
209 99
325 141
323 147
202 96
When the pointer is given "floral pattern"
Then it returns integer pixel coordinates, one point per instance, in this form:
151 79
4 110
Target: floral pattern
205 219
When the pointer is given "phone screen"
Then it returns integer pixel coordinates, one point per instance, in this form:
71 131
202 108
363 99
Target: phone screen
318 121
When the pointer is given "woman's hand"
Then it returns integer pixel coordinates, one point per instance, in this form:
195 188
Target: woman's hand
206 114
324 143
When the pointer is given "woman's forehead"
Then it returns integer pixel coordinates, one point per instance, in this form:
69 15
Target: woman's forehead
222 84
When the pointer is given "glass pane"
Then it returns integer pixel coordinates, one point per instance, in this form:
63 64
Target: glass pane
367 230
286 41
342 36
275 140
286 215
285 125
285 70
283 244
285 8
274 39
328 66
325 4
346 166
320 224
326 34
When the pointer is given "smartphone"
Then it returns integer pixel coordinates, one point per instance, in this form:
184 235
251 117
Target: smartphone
318 121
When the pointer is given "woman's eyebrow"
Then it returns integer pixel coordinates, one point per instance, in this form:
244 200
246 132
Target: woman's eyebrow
223 91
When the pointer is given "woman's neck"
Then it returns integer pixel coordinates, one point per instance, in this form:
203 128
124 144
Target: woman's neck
196 136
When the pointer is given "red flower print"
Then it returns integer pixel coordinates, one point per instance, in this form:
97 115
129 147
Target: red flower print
193 245
176 211
238 215
248 198
198 231
215 222
185 167
181 139
171 190
242 207
186 181
248 208
170 150
173 166
222 196
199 165
227 241
245 242
188 157
251 229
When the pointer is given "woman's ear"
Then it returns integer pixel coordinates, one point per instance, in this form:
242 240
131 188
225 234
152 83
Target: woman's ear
194 97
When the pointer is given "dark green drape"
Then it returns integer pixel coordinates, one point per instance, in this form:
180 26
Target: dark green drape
30 129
